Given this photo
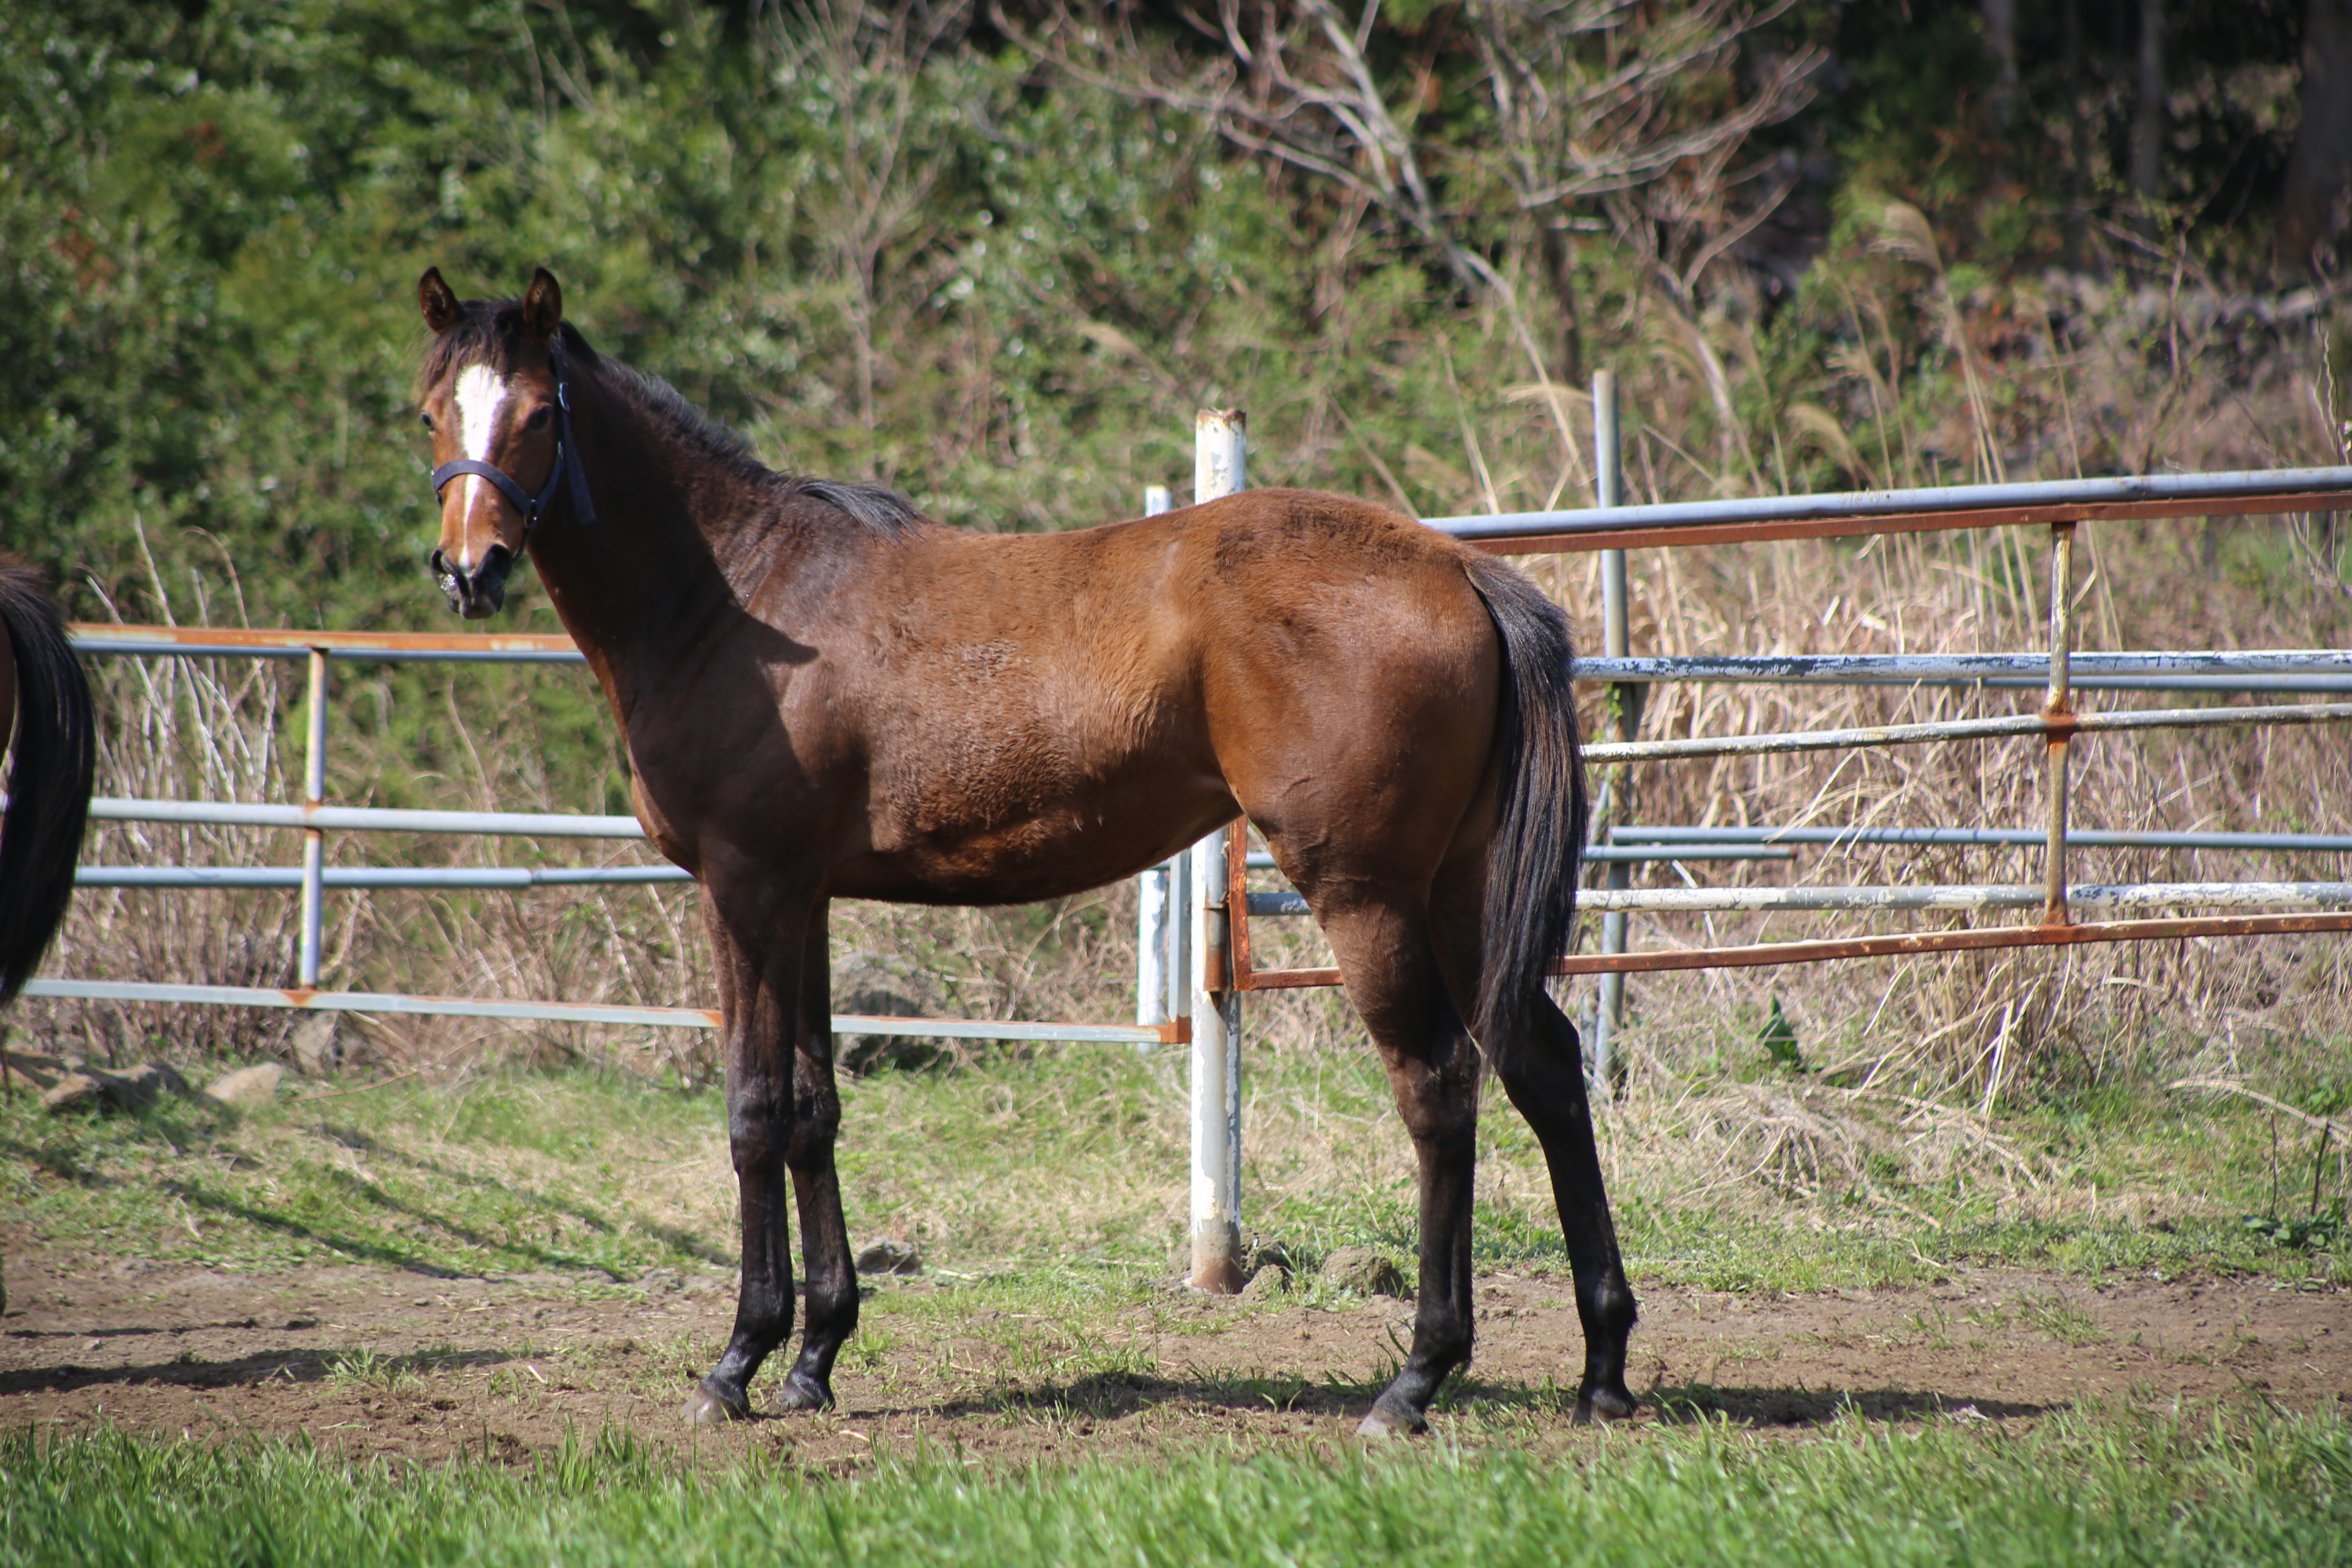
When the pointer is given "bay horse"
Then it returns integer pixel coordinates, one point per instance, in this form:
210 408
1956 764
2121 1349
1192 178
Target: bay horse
46 722
826 695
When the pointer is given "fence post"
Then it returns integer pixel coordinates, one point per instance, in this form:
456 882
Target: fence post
1220 456
2059 705
1609 1016
314 842
1155 932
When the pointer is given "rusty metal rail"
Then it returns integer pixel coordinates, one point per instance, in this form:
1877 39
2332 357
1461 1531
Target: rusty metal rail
2060 506
313 817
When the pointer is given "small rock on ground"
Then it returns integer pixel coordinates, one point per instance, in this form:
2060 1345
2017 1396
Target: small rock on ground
75 1091
135 1089
1363 1271
888 1255
247 1087
1268 1281
316 1049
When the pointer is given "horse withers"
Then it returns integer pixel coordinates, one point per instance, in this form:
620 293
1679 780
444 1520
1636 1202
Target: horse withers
826 695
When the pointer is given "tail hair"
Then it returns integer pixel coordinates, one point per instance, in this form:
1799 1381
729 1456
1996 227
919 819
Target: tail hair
54 762
1539 827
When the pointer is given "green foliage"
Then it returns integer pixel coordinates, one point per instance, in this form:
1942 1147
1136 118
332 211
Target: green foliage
1779 1038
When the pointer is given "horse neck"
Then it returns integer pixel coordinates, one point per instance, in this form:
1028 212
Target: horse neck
657 573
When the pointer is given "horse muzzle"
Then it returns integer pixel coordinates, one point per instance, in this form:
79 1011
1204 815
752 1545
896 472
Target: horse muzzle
477 597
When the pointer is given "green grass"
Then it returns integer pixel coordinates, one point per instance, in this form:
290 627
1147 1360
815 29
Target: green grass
1064 1169
2257 1487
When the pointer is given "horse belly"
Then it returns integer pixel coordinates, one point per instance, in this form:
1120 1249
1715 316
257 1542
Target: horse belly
1016 813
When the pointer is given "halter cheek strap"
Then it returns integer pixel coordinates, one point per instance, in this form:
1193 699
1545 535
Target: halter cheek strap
567 461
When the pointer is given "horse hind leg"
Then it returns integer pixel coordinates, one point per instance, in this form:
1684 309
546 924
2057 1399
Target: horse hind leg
1382 942
1541 1067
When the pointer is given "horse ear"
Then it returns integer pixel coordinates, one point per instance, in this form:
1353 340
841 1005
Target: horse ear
438 301
542 305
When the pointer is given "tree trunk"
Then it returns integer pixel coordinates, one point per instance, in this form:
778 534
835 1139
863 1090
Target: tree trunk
2147 125
1559 262
2000 43
2316 208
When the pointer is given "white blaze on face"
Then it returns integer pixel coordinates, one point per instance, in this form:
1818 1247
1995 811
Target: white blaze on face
481 395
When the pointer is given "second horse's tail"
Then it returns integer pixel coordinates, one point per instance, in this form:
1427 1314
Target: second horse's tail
54 762
1539 830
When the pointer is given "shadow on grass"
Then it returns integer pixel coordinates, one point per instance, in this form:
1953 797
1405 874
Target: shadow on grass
58 1164
298 1367
1108 1396
677 1240
1699 1403
285 1225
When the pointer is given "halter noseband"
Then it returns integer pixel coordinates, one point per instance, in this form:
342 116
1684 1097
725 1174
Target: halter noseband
567 461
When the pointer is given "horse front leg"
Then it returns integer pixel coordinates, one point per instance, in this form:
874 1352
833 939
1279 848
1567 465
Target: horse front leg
826 1265
756 942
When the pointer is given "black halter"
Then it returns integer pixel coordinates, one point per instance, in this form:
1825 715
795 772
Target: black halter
567 461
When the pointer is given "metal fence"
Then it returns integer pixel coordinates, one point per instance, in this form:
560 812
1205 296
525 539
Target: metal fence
1213 877
315 819
1194 959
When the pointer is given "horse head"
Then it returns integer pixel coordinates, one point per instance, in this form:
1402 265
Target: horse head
492 393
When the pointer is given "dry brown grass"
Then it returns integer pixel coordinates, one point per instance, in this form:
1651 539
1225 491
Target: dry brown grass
2071 377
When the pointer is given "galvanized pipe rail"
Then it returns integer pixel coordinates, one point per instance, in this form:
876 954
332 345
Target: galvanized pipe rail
1990 837
1932 509
2060 505
314 819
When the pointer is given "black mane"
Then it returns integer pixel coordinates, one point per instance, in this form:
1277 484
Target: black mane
489 331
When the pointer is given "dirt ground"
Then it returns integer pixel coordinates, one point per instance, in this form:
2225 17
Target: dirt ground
375 1362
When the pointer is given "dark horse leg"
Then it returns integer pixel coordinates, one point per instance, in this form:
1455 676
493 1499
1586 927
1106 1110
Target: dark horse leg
1381 938
1542 1070
1544 1076
757 939
826 1265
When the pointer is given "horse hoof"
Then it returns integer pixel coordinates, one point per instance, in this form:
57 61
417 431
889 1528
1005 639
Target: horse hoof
707 1407
801 1393
1386 1421
1605 1405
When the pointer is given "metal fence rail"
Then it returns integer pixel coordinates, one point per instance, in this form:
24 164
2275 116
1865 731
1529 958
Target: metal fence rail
1194 913
313 817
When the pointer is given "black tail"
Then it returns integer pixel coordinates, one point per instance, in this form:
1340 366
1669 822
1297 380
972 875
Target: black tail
1531 864
55 760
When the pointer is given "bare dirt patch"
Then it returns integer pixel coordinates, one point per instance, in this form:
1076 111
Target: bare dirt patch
376 1362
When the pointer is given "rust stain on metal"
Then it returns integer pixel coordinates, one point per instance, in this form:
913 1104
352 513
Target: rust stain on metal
1903 523
1768 954
333 642
1237 957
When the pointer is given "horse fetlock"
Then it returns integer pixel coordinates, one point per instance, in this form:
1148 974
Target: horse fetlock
1391 1418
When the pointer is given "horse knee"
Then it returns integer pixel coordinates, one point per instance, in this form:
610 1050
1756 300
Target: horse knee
758 1130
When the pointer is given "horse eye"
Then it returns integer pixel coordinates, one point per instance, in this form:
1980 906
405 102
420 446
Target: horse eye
426 419
539 418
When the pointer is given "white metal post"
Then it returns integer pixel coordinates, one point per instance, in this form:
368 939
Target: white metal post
1154 930
1609 1017
314 842
1219 454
